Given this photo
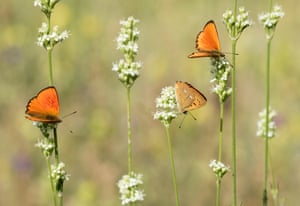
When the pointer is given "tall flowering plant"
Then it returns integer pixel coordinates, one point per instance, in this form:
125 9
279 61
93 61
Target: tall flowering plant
235 21
43 109
269 21
128 71
166 112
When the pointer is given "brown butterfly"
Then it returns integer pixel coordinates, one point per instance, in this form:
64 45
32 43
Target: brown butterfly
44 107
188 97
207 42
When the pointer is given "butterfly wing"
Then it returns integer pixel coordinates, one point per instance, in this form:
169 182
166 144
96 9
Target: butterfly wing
188 97
207 42
44 107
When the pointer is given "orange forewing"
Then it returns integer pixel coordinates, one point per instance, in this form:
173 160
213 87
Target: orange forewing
44 107
188 97
207 42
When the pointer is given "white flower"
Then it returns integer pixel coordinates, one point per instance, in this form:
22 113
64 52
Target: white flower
166 106
127 68
220 70
129 188
261 124
218 168
235 26
37 3
270 20
48 39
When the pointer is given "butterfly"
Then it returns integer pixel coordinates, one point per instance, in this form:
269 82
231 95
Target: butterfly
207 42
188 97
44 107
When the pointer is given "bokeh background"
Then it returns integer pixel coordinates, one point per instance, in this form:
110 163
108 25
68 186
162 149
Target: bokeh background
93 142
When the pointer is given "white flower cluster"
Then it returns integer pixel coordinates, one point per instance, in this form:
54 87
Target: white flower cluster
221 69
129 188
261 124
128 36
48 39
127 68
166 106
59 175
270 20
46 6
218 168
46 146
128 72
235 26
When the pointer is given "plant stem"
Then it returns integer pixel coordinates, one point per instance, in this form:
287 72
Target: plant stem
172 165
221 130
55 146
51 181
50 55
265 191
129 139
220 151
218 199
233 107
59 193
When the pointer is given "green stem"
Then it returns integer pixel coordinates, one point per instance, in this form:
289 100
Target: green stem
129 138
51 181
50 55
270 5
172 165
233 107
221 130
265 191
218 193
59 193
55 145
50 66
218 199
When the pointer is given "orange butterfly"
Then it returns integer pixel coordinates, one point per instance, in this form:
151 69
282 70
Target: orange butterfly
44 107
207 42
188 97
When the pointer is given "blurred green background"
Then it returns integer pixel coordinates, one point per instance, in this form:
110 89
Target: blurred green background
95 151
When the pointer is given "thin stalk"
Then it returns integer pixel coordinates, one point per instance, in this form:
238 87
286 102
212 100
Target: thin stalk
51 181
56 154
172 165
50 66
233 114
221 130
220 151
50 56
129 138
218 199
59 193
233 140
265 190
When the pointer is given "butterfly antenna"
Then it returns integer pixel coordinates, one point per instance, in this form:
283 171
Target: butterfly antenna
69 114
182 121
193 116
